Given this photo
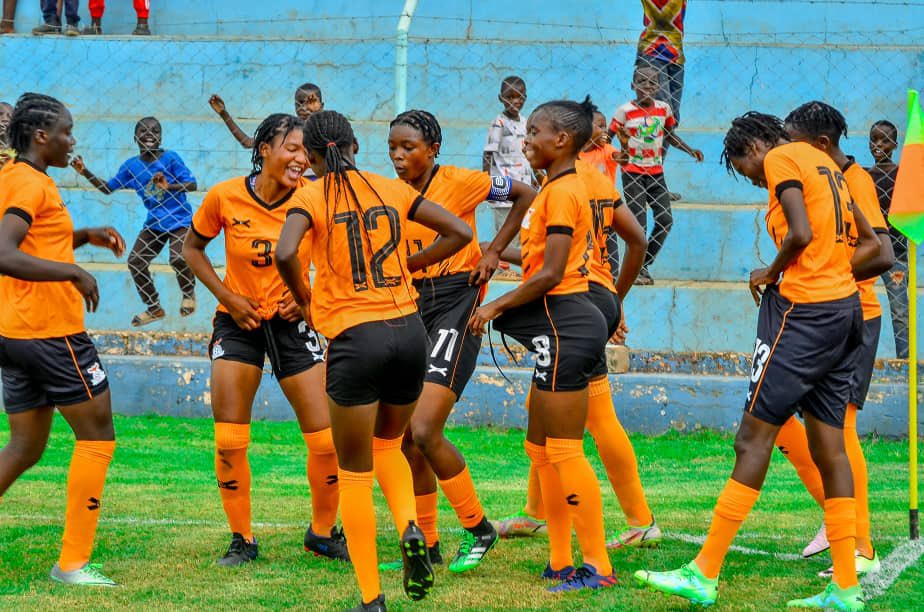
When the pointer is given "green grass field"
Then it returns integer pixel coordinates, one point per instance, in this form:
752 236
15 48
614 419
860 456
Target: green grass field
162 528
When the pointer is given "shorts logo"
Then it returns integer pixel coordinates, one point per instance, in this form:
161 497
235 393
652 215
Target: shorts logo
435 370
541 375
759 360
314 341
97 375
217 350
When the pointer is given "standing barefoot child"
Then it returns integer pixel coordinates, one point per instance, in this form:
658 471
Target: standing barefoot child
161 180
308 100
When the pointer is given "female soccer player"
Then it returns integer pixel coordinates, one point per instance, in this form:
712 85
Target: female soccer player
257 317
377 354
47 359
808 329
448 294
822 126
551 313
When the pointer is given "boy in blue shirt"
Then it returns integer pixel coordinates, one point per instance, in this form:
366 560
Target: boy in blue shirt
161 180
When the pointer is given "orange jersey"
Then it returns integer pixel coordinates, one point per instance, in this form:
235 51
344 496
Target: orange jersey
602 159
32 310
251 229
560 208
604 199
863 190
459 191
361 270
821 272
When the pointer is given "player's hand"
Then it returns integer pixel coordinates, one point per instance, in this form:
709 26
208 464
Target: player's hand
698 155
621 157
86 285
78 165
107 238
622 331
305 313
481 317
289 310
160 181
484 269
244 311
623 136
760 277
217 104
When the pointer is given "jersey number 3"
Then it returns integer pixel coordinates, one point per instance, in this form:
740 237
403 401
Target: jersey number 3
370 222
264 252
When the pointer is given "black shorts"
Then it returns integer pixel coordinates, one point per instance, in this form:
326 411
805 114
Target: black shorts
292 348
567 333
446 304
50 372
803 358
864 360
378 361
609 305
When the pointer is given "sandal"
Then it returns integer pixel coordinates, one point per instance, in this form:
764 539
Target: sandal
148 316
187 306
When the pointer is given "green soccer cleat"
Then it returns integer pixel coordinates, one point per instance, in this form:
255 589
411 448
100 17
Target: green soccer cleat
687 582
519 524
436 558
476 543
833 598
637 537
864 566
88 575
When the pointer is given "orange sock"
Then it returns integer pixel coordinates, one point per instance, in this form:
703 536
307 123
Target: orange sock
860 481
233 471
734 503
426 517
460 491
558 521
322 478
85 480
582 492
534 506
617 453
357 512
394 476
841 523
793 442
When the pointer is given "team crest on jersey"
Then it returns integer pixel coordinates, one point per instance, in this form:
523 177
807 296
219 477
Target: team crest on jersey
97 374
526 218
217 349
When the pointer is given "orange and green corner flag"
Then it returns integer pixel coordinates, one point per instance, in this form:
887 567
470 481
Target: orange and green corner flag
907 210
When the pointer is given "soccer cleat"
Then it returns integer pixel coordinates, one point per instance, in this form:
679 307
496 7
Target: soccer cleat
474 547
418 571
376 605
562 574
833 598
584 577
88 575
819 543
637 537
863 565
240 551
436 558
687 582
519 524
334 547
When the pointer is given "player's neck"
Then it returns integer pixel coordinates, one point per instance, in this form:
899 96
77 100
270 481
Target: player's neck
421 181
267 189
840 158
559 166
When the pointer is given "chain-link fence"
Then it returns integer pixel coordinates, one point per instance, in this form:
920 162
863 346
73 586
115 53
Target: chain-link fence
456 65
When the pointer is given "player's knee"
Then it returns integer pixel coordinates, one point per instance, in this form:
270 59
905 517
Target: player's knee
24 454
426 436
749 448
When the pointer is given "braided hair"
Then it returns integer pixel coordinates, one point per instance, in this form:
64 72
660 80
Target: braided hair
277 123
32 112
748 129
576 118
422 121
815 119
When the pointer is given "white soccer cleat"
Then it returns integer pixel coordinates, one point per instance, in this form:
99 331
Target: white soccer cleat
819 543
88 575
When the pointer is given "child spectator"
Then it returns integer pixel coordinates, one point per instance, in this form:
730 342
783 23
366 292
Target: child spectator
6 153
883 139
599 152
645 123
161 180
98 7
503 151
51 15
308 100
9 17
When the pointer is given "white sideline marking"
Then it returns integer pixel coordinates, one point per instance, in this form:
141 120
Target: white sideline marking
695 539
131 520
904 556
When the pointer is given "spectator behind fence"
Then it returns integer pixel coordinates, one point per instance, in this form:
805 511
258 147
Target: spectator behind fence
6 152
308 100
883 139
161 180
599 152
98 7
644 123
51 16
503 150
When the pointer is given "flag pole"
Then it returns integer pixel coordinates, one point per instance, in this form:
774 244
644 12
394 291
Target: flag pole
913 526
